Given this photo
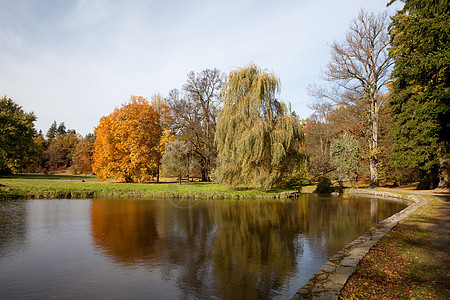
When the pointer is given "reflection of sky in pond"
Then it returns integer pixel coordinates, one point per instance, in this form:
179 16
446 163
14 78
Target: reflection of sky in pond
156 248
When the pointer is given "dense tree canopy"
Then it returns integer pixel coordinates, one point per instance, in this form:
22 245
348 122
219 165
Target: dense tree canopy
127 143
258 139
51 132
16 136
239 133
420 90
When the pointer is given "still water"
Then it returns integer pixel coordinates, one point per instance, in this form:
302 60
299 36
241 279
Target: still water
166 249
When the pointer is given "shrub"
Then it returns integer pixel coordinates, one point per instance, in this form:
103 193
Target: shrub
324 186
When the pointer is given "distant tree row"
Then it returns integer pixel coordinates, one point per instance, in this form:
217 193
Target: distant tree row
383 115
23 149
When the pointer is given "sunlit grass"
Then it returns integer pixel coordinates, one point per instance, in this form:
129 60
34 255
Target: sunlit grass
73 186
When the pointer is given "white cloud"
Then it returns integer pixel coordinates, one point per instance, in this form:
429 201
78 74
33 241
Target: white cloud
74 61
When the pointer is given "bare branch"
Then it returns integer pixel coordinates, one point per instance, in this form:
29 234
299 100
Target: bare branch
358 70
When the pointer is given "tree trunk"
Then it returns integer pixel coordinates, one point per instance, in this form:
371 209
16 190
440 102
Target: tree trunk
443 172
373 172
157 175
204 174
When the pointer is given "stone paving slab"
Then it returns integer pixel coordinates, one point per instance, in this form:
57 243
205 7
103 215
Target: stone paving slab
331 278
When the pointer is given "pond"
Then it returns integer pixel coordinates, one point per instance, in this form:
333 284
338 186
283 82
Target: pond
171 249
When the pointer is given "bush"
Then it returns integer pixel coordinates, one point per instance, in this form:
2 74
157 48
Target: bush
429 180
296 180
324 186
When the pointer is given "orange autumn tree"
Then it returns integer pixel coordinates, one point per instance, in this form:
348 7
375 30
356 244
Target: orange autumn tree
127 143
166 121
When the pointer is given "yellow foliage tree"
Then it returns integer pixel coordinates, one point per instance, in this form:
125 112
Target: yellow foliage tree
127 143
166 121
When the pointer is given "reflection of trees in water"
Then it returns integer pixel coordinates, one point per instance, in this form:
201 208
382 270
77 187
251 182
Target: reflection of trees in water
184 203
255 249
252 245
153 234
223 248
127 231
12 226
333 222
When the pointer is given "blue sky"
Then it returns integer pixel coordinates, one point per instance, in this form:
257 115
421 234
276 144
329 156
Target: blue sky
75 61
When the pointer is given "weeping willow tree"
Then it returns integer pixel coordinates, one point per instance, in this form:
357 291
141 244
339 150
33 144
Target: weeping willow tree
258 138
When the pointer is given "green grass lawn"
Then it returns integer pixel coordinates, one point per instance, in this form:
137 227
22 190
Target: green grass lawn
74 186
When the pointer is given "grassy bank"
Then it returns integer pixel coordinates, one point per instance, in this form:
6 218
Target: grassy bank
409 262
71 186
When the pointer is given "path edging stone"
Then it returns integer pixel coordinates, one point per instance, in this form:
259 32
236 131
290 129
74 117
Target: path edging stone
331 278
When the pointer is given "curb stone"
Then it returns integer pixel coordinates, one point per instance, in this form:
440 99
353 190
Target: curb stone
328 282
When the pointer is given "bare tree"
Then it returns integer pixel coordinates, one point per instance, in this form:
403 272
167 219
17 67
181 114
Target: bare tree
318 135
195 110
359 69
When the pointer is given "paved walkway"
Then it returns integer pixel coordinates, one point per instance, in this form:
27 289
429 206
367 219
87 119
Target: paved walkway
328 281
441 239
441 232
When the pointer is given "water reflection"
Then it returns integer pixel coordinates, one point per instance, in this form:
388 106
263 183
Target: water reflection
155 234
174 249
255 248
12 227
231 249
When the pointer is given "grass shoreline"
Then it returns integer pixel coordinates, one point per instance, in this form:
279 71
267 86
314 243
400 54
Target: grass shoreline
73 186
403 264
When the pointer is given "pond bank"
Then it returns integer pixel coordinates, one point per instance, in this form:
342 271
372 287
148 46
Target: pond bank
328 282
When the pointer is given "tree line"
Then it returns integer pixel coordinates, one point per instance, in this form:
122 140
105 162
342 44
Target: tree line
23 149
383 114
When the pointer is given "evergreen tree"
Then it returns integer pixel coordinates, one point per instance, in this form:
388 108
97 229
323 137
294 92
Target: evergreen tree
52 131
258 139
420 91
61 130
